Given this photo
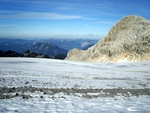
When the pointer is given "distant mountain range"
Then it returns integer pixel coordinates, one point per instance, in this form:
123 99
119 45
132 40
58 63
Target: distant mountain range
69 44
52 47
47 48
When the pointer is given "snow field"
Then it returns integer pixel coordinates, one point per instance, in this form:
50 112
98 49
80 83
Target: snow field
72 76
61 103
66 74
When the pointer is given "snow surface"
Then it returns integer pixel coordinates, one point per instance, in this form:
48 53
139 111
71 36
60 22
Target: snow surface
56 74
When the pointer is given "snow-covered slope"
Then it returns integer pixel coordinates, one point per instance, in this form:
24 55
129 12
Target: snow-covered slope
46 85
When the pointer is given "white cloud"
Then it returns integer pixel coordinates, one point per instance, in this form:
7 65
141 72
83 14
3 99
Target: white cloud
37 15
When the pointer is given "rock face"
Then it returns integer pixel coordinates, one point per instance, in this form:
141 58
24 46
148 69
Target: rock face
128 39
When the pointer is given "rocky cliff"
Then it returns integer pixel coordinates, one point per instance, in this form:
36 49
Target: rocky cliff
128 39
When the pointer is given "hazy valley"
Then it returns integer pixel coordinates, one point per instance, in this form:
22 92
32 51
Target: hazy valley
56 48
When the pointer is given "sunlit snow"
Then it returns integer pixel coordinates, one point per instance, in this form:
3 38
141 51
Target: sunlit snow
57 86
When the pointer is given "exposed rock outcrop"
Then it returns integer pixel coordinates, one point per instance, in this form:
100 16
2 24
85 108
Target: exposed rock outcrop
128 39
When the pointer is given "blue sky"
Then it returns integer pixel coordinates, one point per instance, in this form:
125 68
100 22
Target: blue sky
65 18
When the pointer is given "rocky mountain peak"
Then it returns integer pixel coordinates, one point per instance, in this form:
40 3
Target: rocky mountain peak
128 39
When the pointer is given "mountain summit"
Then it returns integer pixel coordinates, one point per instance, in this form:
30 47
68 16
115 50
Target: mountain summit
128 39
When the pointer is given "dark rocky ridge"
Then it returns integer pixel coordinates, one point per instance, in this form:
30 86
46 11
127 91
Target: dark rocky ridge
27 53
128 39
